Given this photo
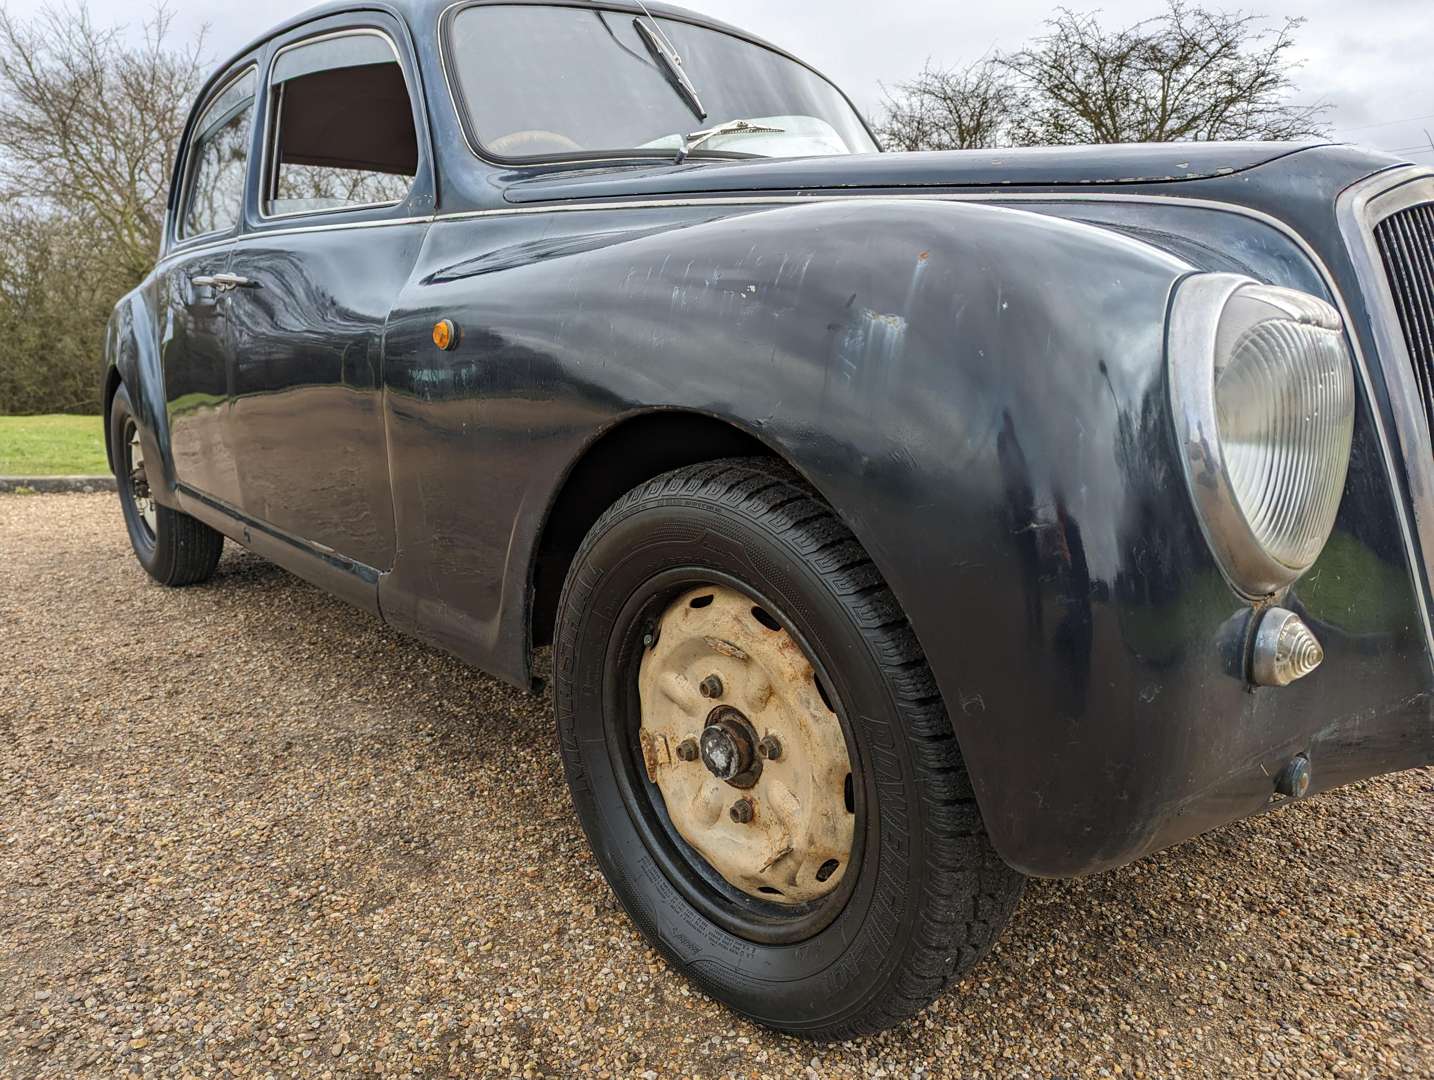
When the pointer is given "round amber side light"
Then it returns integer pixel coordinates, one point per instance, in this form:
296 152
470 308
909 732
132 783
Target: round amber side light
445 334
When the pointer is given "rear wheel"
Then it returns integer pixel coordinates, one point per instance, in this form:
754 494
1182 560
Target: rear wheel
761 760
174 548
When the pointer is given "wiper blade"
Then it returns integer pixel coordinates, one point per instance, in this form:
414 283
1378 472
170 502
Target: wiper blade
731 127
662 48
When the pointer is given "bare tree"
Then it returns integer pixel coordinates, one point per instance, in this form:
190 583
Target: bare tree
53 308
953 108
90 123
1192 73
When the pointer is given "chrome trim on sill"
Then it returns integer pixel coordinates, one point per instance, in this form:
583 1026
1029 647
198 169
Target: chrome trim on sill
337 560
1359 210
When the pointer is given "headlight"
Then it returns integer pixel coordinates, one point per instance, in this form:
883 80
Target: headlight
1262 394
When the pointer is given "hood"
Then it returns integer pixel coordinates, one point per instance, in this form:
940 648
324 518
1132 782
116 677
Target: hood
1042 167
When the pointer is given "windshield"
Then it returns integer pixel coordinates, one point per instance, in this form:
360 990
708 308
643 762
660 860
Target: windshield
540 82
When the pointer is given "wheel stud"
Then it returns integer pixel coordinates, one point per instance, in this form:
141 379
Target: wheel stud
687 749
742 811
770 748
711 687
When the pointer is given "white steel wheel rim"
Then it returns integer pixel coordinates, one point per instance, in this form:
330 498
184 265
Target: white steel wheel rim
139 482
781 830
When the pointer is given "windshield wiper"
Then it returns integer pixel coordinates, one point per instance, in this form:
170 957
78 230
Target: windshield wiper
731 127
662 48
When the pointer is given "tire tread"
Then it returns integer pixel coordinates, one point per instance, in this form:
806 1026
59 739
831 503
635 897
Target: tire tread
191 550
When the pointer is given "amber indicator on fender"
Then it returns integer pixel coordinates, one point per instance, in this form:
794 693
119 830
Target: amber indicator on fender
445 334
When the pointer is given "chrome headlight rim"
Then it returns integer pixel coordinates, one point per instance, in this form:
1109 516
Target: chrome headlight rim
1197 313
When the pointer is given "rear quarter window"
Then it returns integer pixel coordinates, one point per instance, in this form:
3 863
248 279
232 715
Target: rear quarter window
218 161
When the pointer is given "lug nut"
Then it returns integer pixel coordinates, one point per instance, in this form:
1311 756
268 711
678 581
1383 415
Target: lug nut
770 748
687 749
711 687
742 811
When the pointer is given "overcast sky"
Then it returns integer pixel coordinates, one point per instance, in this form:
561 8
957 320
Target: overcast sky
1370 60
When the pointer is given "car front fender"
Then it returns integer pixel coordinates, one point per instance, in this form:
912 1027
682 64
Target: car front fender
981 395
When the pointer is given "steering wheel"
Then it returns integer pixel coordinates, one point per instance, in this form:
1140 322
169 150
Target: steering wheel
530 143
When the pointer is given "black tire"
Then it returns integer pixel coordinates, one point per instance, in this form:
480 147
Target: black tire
929 896
177 550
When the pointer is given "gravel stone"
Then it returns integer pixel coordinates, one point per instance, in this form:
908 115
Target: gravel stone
248 831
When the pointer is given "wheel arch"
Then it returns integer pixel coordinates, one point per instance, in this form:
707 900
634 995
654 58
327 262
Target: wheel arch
640 447
113 382
633 450
132 360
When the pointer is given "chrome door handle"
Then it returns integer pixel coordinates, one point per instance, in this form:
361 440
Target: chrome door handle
222 282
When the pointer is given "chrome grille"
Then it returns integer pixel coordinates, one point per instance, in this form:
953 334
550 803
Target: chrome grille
1385 249
1406 246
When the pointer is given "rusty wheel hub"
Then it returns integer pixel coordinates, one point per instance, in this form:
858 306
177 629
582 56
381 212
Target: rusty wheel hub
745 748
139 482
729 748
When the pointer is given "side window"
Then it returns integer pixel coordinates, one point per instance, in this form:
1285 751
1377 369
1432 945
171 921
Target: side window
219 156
341 129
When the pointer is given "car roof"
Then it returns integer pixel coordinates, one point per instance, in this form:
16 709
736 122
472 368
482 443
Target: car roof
420 13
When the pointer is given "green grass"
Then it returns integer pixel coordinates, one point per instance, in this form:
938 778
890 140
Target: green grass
52 446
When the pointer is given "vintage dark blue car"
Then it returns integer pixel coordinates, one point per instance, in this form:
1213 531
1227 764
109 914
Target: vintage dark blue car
902 524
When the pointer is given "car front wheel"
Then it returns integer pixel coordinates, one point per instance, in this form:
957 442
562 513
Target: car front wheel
174 548
761 760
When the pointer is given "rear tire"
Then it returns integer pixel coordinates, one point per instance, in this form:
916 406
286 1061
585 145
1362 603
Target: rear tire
174 548
924 895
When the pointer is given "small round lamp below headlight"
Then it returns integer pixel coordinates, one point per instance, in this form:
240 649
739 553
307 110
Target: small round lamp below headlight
1285 649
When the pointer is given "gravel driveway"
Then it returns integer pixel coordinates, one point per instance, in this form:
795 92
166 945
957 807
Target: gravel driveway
248 830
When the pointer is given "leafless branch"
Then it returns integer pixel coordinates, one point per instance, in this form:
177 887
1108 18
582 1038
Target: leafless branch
1189 73
90 123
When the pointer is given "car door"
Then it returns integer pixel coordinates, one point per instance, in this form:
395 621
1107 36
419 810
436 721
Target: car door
336 225
208 210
